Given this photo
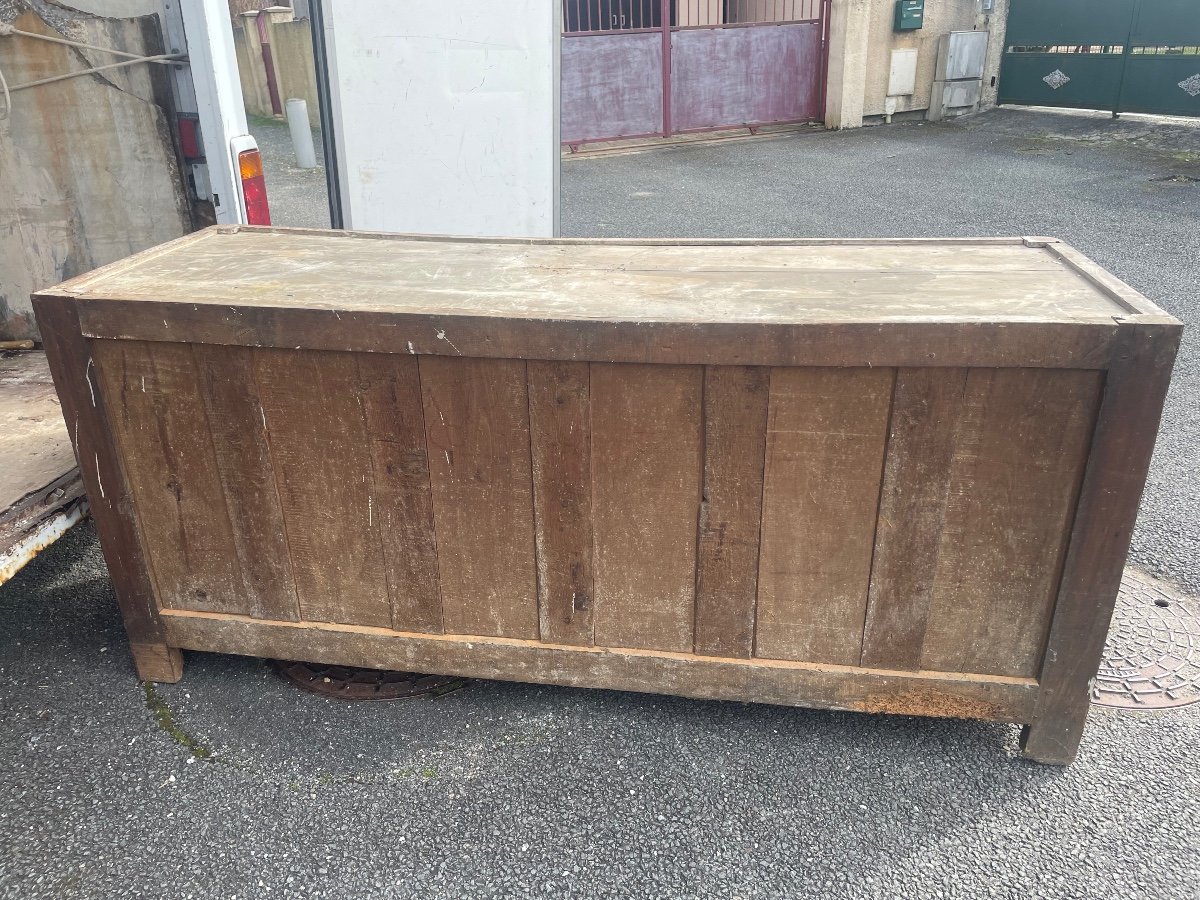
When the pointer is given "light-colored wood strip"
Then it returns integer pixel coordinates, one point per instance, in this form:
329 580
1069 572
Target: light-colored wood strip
402 502
616 281
159 424
735 422
912 511
319 447
243 457
714 678
826 431
477 429
560 441
1017 466
646 471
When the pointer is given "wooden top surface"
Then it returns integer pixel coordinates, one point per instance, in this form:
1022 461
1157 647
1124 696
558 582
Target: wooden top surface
760 282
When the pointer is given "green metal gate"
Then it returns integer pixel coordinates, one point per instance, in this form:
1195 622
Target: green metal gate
1119 55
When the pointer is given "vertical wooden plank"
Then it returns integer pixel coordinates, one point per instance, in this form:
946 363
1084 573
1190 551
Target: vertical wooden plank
323 466
84 409
561 446
912 510
826 430
646 470
161 430
403 503
735 434
1121 449
247 476
1018 460
477 427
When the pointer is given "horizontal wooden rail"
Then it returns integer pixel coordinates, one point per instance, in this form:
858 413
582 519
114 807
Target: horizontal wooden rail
952 695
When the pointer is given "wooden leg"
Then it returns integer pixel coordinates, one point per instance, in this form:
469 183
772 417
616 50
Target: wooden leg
157 662
1055 742
73 368
1126 427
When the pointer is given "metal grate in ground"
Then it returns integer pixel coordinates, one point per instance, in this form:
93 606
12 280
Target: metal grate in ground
1152 659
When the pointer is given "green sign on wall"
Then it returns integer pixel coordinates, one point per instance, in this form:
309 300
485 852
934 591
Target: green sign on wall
1119 55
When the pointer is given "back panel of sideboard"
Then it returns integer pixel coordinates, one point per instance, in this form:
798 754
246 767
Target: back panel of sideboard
911 519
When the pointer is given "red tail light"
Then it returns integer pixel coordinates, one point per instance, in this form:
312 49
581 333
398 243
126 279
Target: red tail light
189 137
254 188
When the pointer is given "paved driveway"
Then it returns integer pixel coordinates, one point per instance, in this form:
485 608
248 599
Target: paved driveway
232 784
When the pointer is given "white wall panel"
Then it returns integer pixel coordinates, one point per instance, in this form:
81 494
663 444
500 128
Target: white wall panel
446 114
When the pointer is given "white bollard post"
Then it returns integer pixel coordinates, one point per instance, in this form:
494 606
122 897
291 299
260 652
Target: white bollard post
302 142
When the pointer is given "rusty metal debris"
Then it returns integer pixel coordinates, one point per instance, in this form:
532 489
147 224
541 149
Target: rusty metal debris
350 683
17 551
1152 660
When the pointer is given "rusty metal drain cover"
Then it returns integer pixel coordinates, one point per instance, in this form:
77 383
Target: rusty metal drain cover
349 683
1152 659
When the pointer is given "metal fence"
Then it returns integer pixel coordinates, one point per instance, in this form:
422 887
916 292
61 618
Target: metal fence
610 16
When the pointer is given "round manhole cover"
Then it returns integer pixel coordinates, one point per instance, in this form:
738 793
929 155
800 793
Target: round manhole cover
349 683
1152 659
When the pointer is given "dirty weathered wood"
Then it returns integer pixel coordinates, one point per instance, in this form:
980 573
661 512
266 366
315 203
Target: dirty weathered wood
735 428
886 476
1122 445
560 423
477 422
83 407
912 514
1018 462
704 677
818 302
646 471
850 344
241 445
152 392
321 456
403 499
826 432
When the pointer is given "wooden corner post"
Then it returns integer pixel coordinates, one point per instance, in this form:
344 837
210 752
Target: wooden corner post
1122 445
69 355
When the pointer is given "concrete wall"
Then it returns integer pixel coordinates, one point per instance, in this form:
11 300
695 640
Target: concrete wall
291 54
861 42
250 69
291 42
115 9
88 171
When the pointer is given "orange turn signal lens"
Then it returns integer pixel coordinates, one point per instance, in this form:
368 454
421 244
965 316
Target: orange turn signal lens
250 164
254 188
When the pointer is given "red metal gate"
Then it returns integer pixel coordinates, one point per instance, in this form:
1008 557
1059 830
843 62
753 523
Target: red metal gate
636 68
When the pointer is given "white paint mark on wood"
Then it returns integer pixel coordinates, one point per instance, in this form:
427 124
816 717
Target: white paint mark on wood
410 349
441 336
99 483
87 376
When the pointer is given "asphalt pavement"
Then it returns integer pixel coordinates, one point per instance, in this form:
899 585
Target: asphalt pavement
233 784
